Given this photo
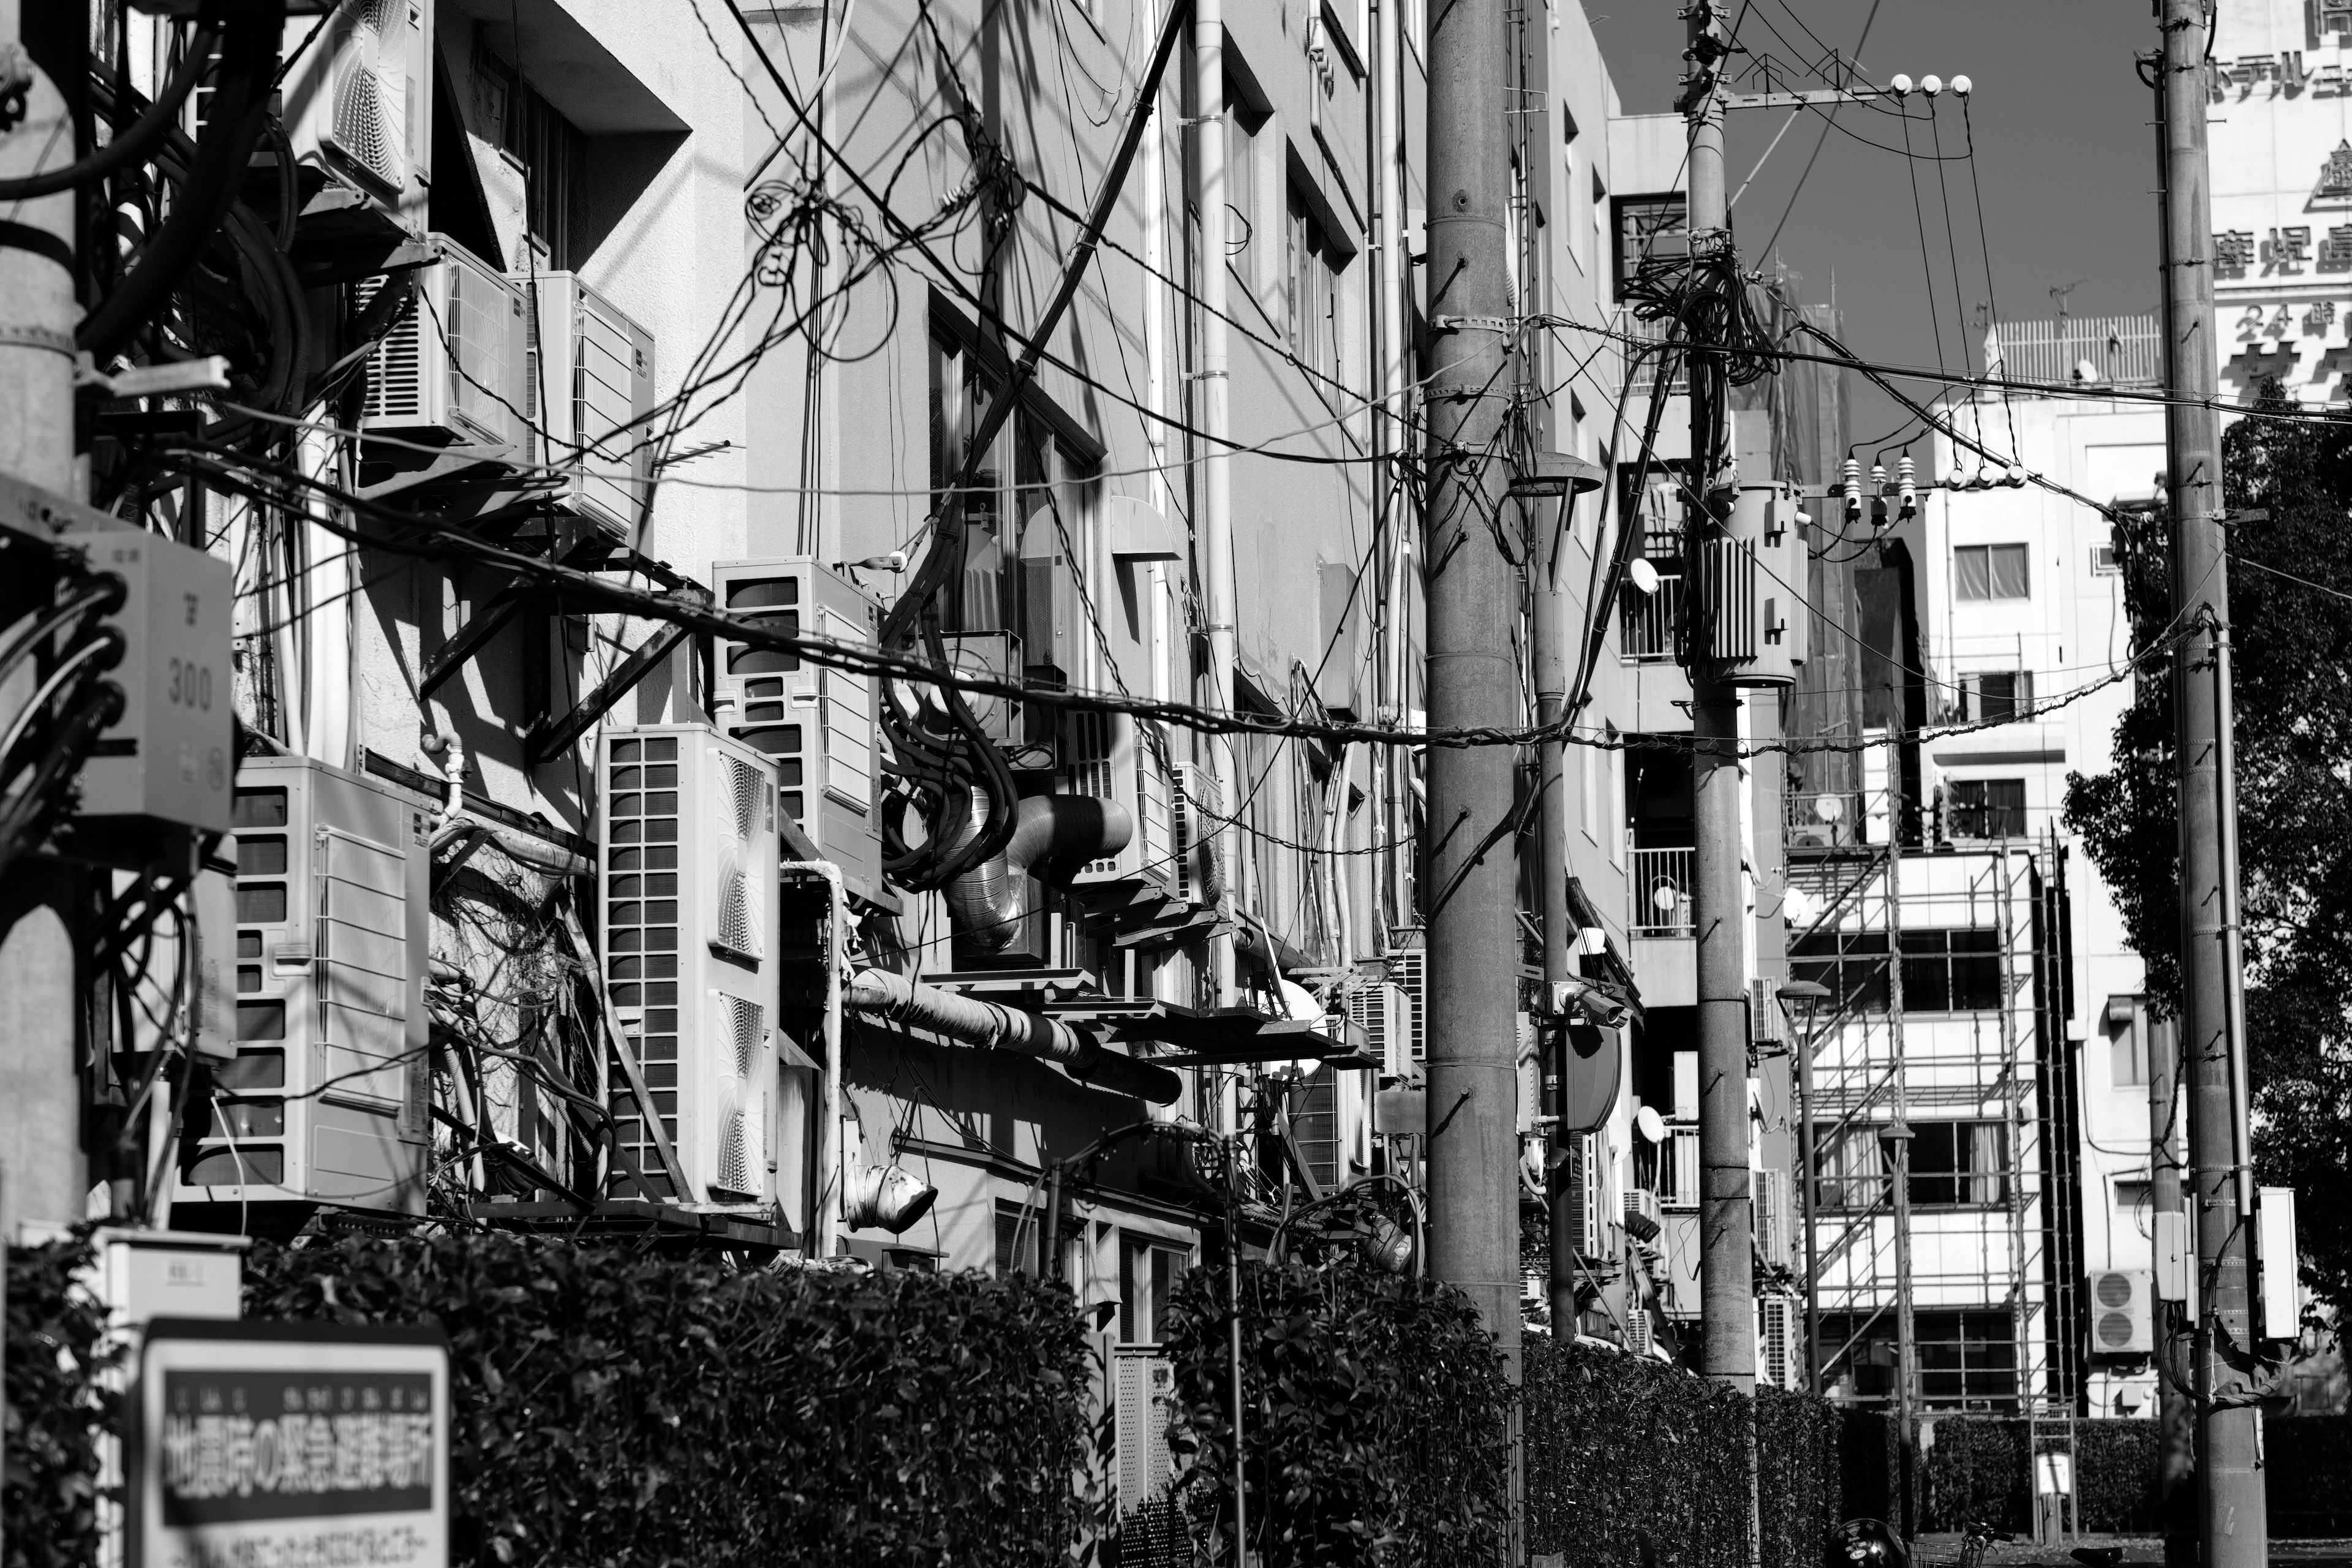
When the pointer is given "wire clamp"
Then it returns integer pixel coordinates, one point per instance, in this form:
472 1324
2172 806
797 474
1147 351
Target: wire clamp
209 373
1472 324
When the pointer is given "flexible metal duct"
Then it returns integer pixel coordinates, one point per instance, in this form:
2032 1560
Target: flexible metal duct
1053 835
993 1026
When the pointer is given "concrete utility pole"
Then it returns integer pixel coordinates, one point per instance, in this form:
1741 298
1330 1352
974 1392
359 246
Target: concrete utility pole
1719 916
42 1177
2232 1525
1472 599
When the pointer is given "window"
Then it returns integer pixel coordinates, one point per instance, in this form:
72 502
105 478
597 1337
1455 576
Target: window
1016 1237
1943 971
1951 970
1639 220
1148 1272
549 150
1996 696
1851 1165
1966 1359
2103 563
2127 1054
1985 808
1957 1165
1246 249
1310 313
1989 571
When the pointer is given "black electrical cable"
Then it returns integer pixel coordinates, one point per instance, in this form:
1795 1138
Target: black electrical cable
131 144
239 113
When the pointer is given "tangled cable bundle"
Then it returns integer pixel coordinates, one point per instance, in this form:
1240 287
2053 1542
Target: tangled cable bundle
1708 294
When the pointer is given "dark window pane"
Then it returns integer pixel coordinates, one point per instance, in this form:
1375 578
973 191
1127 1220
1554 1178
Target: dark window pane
2009 571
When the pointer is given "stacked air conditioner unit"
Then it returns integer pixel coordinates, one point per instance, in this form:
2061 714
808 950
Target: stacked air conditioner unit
1777 1341
1772 1190
1196 801
357 100
687 819
451 372
588 379
1145 1395
2123 1311
817 723
1114 757
1385 1015
327 1097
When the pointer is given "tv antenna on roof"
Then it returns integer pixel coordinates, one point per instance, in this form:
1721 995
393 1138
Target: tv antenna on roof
2060 294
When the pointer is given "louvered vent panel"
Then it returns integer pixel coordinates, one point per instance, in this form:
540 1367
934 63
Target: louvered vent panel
641 937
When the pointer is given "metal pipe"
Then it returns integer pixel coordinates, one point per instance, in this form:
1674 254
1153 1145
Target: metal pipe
992 1025
1215 521
2234 925
1906 1339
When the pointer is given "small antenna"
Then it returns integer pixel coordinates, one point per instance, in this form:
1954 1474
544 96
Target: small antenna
2060 294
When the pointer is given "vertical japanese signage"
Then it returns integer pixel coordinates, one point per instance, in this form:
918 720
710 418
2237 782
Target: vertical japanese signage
264 1445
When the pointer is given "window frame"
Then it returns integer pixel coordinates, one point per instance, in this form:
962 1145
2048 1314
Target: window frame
1993 556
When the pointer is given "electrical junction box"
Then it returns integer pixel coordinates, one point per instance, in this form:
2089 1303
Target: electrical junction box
142 1275
328 1097
2275 1259
170 759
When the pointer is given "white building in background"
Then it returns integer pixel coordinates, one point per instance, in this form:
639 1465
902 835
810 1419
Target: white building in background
2022 616
2281 132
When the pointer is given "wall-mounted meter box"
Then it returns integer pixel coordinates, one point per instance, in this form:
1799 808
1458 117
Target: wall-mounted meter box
171 757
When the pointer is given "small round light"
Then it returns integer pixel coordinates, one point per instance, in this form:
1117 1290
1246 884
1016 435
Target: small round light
1900 83
1931 85
1963 86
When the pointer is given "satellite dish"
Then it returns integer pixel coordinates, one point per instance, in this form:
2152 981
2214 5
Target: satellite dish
1643 576
1797 905
1650 1124
1828 807
1666 896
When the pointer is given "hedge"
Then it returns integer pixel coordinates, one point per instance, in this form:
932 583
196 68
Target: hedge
56 1413
1978 1468
1377 1418
1630 1460
616 1407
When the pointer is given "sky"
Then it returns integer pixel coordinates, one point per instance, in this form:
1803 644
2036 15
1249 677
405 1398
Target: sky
2066 162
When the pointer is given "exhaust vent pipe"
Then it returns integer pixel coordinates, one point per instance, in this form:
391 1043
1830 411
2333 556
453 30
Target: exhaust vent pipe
1054 837
991 1025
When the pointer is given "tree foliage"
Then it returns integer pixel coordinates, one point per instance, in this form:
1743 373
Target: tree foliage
2290 625
57 1410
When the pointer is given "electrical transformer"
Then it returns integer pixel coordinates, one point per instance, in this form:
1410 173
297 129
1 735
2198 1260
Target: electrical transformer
327 1097
688 821
818 723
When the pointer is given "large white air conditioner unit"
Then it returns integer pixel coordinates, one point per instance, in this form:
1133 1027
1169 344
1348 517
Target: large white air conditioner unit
1115 757
1145 1389
2122 1316
328 1097
687 819
357 101
451 371
1196 800
588 379
817 723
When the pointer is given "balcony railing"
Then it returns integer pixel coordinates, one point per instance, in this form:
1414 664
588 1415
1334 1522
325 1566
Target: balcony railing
1662 892
1679 1170
1641 373
1649 626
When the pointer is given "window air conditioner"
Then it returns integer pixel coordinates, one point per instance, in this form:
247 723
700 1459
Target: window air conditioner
588 378
451 372
2123 1318
327 1097
1115 757
358 102
687 819
816 724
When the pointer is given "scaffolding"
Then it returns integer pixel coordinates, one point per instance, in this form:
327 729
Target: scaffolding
1934 1115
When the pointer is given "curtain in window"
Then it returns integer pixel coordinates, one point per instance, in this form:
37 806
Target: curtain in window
2009 571
1852 1166
1971 572
1988 1163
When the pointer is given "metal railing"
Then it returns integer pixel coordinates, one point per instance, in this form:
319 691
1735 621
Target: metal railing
1648 635
1662 892
1643 371
1678 1169
2127 350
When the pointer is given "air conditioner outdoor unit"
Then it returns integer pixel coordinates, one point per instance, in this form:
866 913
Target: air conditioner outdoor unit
451 371
1385 1015
1409 967
1195 799
1641 1213
688 818
2122 1316
588 379
1639 1334
357 103
1115 757
1765 1024
818 725
1146 1392
1771 1188
328 1097
1776 1345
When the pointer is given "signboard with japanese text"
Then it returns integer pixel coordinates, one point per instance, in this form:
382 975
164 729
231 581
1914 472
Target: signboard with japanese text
261 1445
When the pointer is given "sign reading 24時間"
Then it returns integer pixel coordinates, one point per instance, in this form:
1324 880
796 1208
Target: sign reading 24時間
263 1445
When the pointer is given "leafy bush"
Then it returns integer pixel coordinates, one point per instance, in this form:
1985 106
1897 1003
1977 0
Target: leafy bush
1377 1418
1630 1460
616 1407
56 1411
